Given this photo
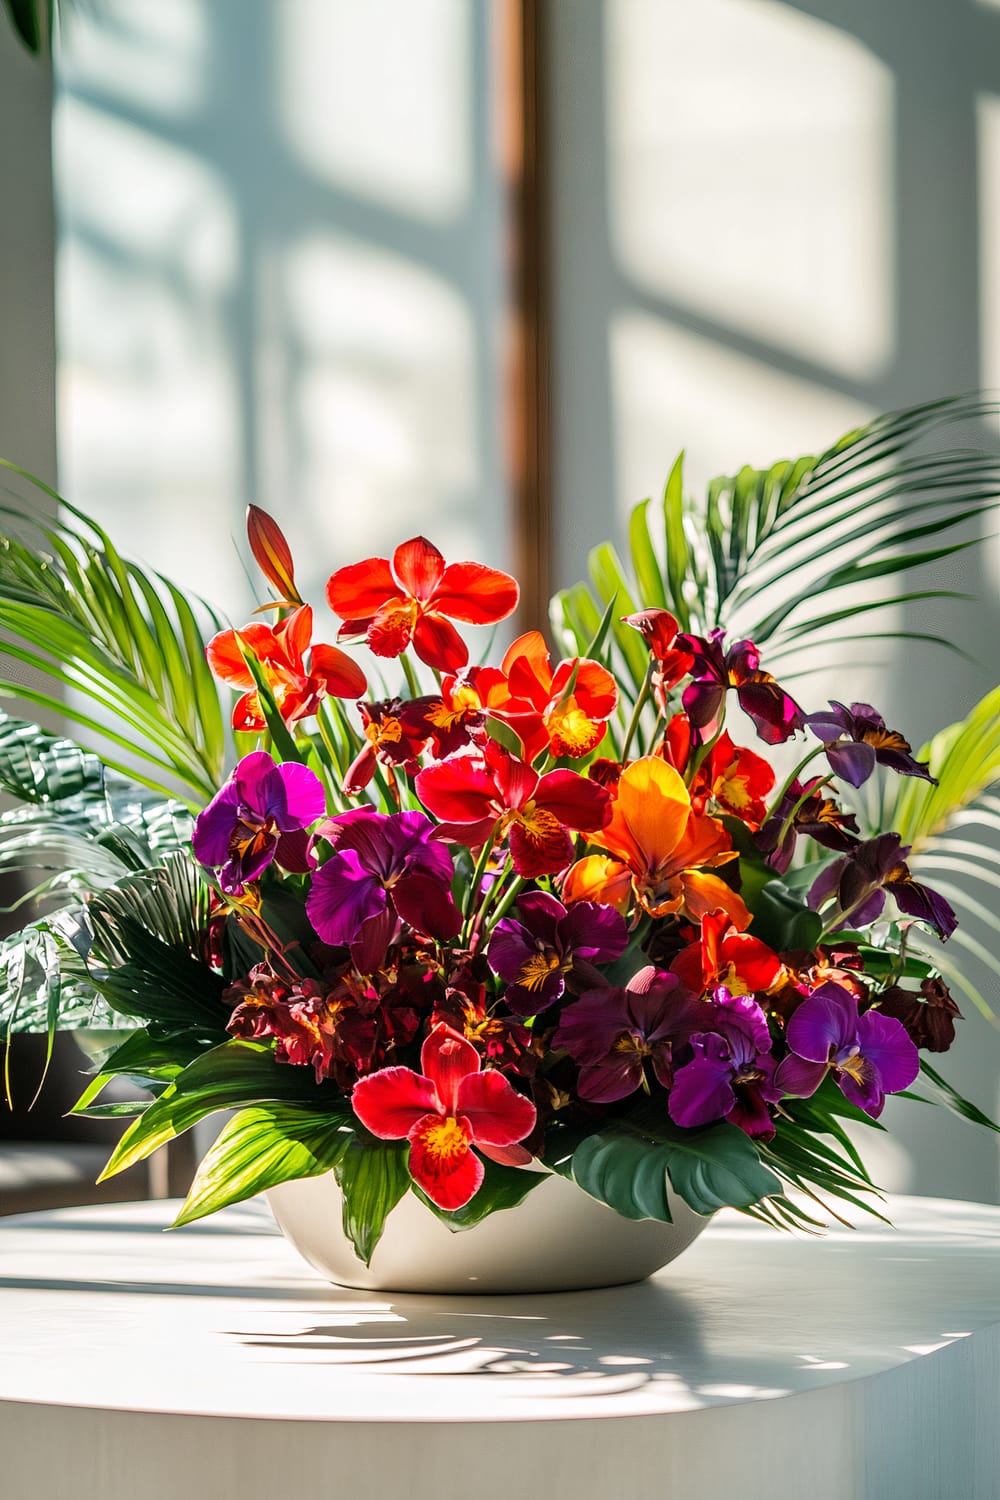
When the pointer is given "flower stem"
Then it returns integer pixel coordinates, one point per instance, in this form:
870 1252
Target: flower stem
640 703
408 672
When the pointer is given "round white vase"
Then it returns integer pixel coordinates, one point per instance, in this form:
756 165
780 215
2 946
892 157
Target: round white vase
558 1239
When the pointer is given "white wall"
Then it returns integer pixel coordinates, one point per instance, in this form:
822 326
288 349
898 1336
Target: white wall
280 279
772 221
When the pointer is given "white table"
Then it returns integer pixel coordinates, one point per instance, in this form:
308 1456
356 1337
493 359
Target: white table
210 1362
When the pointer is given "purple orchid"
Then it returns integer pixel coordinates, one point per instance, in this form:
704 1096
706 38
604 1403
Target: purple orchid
551 946
775 714
259 815
858 883
611 1032
383 866
731 1076
856 740
870 1055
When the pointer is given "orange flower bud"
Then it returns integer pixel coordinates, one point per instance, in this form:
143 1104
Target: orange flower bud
272 554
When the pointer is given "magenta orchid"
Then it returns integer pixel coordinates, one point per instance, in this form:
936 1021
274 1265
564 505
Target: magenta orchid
260 815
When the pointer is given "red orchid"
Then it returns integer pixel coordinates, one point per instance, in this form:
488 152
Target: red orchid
725 955
415 598
281 649
494 795
444 1111
562 711
456 716
734 778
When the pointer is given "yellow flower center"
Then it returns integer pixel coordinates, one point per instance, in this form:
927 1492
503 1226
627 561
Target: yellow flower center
445 1141
536 970
571 732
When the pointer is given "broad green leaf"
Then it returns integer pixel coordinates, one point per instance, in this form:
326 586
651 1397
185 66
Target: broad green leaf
261 1146
719 1167
373 1176
626 1172
623 1165
232 1076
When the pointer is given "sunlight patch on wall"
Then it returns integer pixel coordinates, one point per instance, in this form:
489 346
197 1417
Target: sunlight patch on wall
377 101
673 390
751 162
382 402
148 404
139 52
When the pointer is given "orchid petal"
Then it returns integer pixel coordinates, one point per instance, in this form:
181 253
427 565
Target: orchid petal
702 1090
213 828
446 1058
451 1176
304 798
358 591
497 1114
419 566
475 594
392 1101
343 895
438 643
824 1024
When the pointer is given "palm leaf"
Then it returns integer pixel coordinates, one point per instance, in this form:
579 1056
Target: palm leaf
870 501
122 649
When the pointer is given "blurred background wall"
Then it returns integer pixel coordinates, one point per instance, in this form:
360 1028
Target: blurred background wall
284 274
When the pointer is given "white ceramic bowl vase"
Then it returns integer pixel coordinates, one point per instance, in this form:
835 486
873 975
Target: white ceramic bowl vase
557 1239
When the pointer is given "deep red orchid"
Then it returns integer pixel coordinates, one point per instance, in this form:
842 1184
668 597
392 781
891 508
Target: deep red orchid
280 649
671 662
494 795
563 711
444 1112
414 599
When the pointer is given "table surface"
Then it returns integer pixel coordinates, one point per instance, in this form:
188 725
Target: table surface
101 1309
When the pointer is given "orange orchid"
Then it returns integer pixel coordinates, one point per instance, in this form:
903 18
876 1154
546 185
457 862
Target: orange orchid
281 649
664 845
724 955
562 711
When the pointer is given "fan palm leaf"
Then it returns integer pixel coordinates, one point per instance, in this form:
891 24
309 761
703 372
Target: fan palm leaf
122 648
753 557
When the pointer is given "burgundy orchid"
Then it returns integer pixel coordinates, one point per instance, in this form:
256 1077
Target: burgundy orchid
929 1017
870 1055
775 714
550 946
259 815
611 1032
805 809
859 882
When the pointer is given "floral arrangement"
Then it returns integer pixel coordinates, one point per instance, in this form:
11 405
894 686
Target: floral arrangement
488 922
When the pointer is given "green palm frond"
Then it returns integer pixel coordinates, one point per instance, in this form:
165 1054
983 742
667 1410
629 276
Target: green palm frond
123 649
33 21
948 826
754 556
